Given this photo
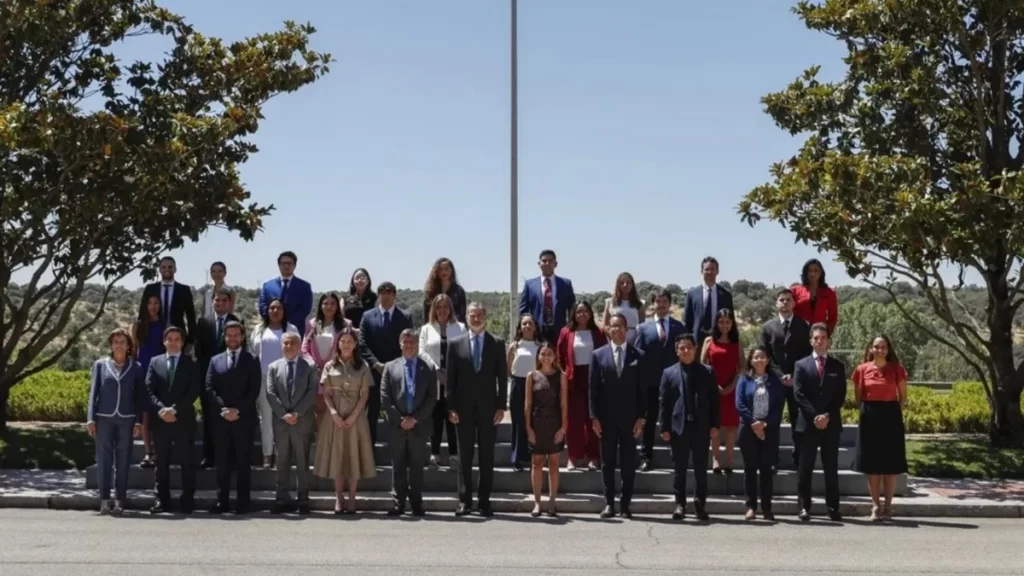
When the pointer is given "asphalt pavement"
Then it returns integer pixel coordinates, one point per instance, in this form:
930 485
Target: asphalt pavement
62 542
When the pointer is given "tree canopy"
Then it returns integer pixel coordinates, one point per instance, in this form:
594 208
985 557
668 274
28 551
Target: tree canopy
911 165
107 164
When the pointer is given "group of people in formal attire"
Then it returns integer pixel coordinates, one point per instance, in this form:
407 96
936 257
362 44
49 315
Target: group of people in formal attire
602 391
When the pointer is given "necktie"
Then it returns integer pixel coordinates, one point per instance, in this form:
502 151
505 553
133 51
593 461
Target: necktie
410 387
477 345
821 366
785 327
220 330
705 320
387 320
291 379
170 368
618 360
167 304
549 304
284 289
661 330
233 358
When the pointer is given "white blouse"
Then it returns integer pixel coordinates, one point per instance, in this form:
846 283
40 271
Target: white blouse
324 339
582 347
266 344
524 360
632 316
430 340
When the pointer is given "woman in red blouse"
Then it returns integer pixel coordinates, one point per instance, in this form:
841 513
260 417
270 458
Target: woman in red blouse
575 347
880 389
815 301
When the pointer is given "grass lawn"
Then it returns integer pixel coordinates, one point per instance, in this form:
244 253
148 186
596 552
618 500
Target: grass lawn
963 457
47 448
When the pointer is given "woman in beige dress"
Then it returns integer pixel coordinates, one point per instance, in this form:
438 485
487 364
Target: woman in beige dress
344 450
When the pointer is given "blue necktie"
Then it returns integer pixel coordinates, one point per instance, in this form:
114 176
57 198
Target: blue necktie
410 387
477 345
387 320
220 330
291 379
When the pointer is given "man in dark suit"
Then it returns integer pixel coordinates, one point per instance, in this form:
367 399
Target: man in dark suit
703 302
177 308
548 297
689 418
233 383
819 385
618 402
379 343
295 292
788 338
209 341
173 383
409 394
477 394
656 341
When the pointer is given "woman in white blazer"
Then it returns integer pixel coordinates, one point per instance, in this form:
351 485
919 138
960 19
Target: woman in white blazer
440 328
265 344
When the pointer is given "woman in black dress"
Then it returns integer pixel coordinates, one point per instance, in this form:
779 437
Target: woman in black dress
547 410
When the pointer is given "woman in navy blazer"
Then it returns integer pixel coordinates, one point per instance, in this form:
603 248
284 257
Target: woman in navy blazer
116 403
759 400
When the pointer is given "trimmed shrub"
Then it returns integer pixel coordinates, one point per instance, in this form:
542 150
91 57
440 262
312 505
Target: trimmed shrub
50 396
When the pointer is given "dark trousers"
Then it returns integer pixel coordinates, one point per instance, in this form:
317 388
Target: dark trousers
758 458
828 441
517 409
113 455
476 428
407 458
692 442
618 447
794 410
211 414
234 453
178 438
373 410
651 427
441 425
549 334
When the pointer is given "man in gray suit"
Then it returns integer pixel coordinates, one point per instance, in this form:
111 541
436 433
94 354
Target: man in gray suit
291 392
408 389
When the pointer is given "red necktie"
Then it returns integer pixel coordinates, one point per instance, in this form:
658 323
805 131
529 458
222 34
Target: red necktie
549 304
821 366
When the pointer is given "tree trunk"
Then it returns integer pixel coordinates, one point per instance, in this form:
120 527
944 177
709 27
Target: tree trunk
5 394
1007 423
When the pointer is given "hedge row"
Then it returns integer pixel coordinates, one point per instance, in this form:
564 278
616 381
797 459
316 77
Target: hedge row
55 396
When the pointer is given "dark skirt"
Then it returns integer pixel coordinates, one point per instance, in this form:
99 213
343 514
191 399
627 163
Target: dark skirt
881 445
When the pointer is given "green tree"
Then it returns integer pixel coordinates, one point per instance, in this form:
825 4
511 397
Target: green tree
911 164
863 320
107 164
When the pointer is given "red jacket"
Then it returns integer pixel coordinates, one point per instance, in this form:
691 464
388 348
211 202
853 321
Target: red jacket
564 349
826 308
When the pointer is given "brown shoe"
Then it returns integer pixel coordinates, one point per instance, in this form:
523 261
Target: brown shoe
268 461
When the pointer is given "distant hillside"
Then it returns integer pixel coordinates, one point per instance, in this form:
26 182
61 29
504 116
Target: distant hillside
863 312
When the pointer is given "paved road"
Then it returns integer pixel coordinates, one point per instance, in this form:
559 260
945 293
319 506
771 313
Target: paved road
54 542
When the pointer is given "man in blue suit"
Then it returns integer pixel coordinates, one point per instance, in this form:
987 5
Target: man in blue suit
705 301
689 419
548 297
295 292
618 402
380 342
656 340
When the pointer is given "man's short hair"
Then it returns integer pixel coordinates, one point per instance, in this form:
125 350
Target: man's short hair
783 291
290 336
233 324
409 333
386 287
475 305
819 327
173 328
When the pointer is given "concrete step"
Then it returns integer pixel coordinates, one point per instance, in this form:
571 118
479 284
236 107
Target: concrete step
504 503
506 480
503 455
848 438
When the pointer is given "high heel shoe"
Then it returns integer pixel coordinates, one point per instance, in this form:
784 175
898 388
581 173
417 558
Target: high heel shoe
339 506
536 510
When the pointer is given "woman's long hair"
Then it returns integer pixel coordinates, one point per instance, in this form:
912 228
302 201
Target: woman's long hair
143 324
633 297
519 331
432 287
357 359
265 318
890 356
750 360
591 325
369 297
803 273
734 332
433 309
339 315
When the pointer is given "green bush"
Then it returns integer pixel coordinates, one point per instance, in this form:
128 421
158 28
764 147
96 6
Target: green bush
50 396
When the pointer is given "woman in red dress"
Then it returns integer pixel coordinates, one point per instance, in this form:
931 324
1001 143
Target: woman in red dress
814 300
722 351
575 347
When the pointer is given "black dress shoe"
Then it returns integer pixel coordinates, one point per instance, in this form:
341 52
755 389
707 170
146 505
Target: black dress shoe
277 508
805 516
768 516
626 512
835 516
646 466
608 512
518 467
419 512
219 508
463 509
680 512
486 511
304 510
243 509
207 463
396 511
158 507
700 512
187 506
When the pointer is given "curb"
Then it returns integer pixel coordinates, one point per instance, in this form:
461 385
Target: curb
522 504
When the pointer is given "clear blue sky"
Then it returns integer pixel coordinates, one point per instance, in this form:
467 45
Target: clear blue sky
640 130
